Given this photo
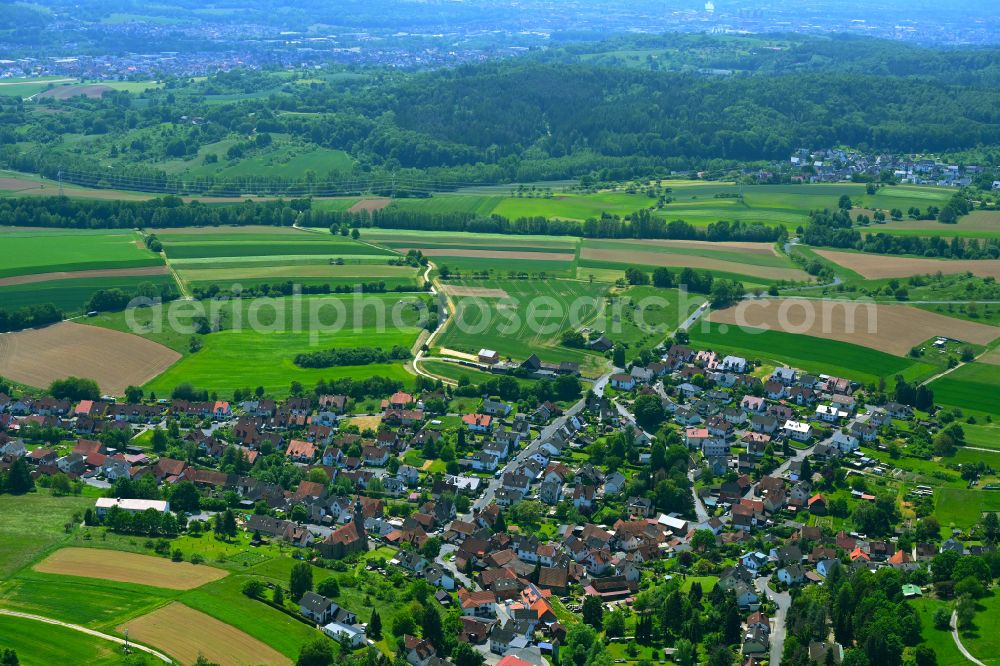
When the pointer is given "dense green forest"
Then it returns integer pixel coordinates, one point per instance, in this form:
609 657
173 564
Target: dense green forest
547 116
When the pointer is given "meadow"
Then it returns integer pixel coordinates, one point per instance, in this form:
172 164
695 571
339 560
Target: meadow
31 525
282 241
938 639
808 353
963 508
974 387
514 329
39 644
977 224
28 252
642 317
72 295
231 359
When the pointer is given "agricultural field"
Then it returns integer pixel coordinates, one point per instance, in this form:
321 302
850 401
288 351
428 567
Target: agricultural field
756 263
261 337
33 524
128 568
72 295
507 323
187 634
974 387
114 359
893 329
877 266
253 255
809 353
479 253
977 224
31 252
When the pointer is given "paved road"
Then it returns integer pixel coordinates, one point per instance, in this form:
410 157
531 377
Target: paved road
75 627
460 577
958 641
546 433
782 600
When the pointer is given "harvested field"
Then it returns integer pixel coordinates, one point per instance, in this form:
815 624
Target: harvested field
732 246
19 185
690 261
493 254
481 292
112 358
186 634
369 205
895 329
457 354
67 92
128 568
83 275
876 266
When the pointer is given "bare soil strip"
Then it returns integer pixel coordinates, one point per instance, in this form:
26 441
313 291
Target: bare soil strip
876 266
737 246
83 275
493 254
186 634
689 261
128 568
444 351
893 329
370 205
481 292
113 359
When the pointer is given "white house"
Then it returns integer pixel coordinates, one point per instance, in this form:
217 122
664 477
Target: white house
345 634
845 442
734 364
798 431
623 382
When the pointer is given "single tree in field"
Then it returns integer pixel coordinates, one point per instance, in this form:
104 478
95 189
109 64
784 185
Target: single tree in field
300 580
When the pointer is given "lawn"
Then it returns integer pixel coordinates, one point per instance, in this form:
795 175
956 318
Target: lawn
32 252
72 295
972 387
527 321
261 338
984 640
39 644
939 640
963 508
807 353
32 524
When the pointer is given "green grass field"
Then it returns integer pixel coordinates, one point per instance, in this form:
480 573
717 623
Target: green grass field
808 353
528 321
39 644
962 507
32 524
939 640
983 640
265 244
32 252
262 354
72 295
641 317
974 387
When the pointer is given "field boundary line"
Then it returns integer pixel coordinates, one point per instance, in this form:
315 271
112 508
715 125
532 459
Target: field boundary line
92 632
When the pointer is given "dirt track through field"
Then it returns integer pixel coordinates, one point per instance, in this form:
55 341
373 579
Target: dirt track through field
876 266
895 329
113 359
370 205
185 634
83 275
690 261
492 254
128 568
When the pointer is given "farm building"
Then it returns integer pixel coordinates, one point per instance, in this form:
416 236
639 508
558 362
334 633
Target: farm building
104 505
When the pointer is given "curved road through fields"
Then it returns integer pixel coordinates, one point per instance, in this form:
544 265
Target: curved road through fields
75 627
958 641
